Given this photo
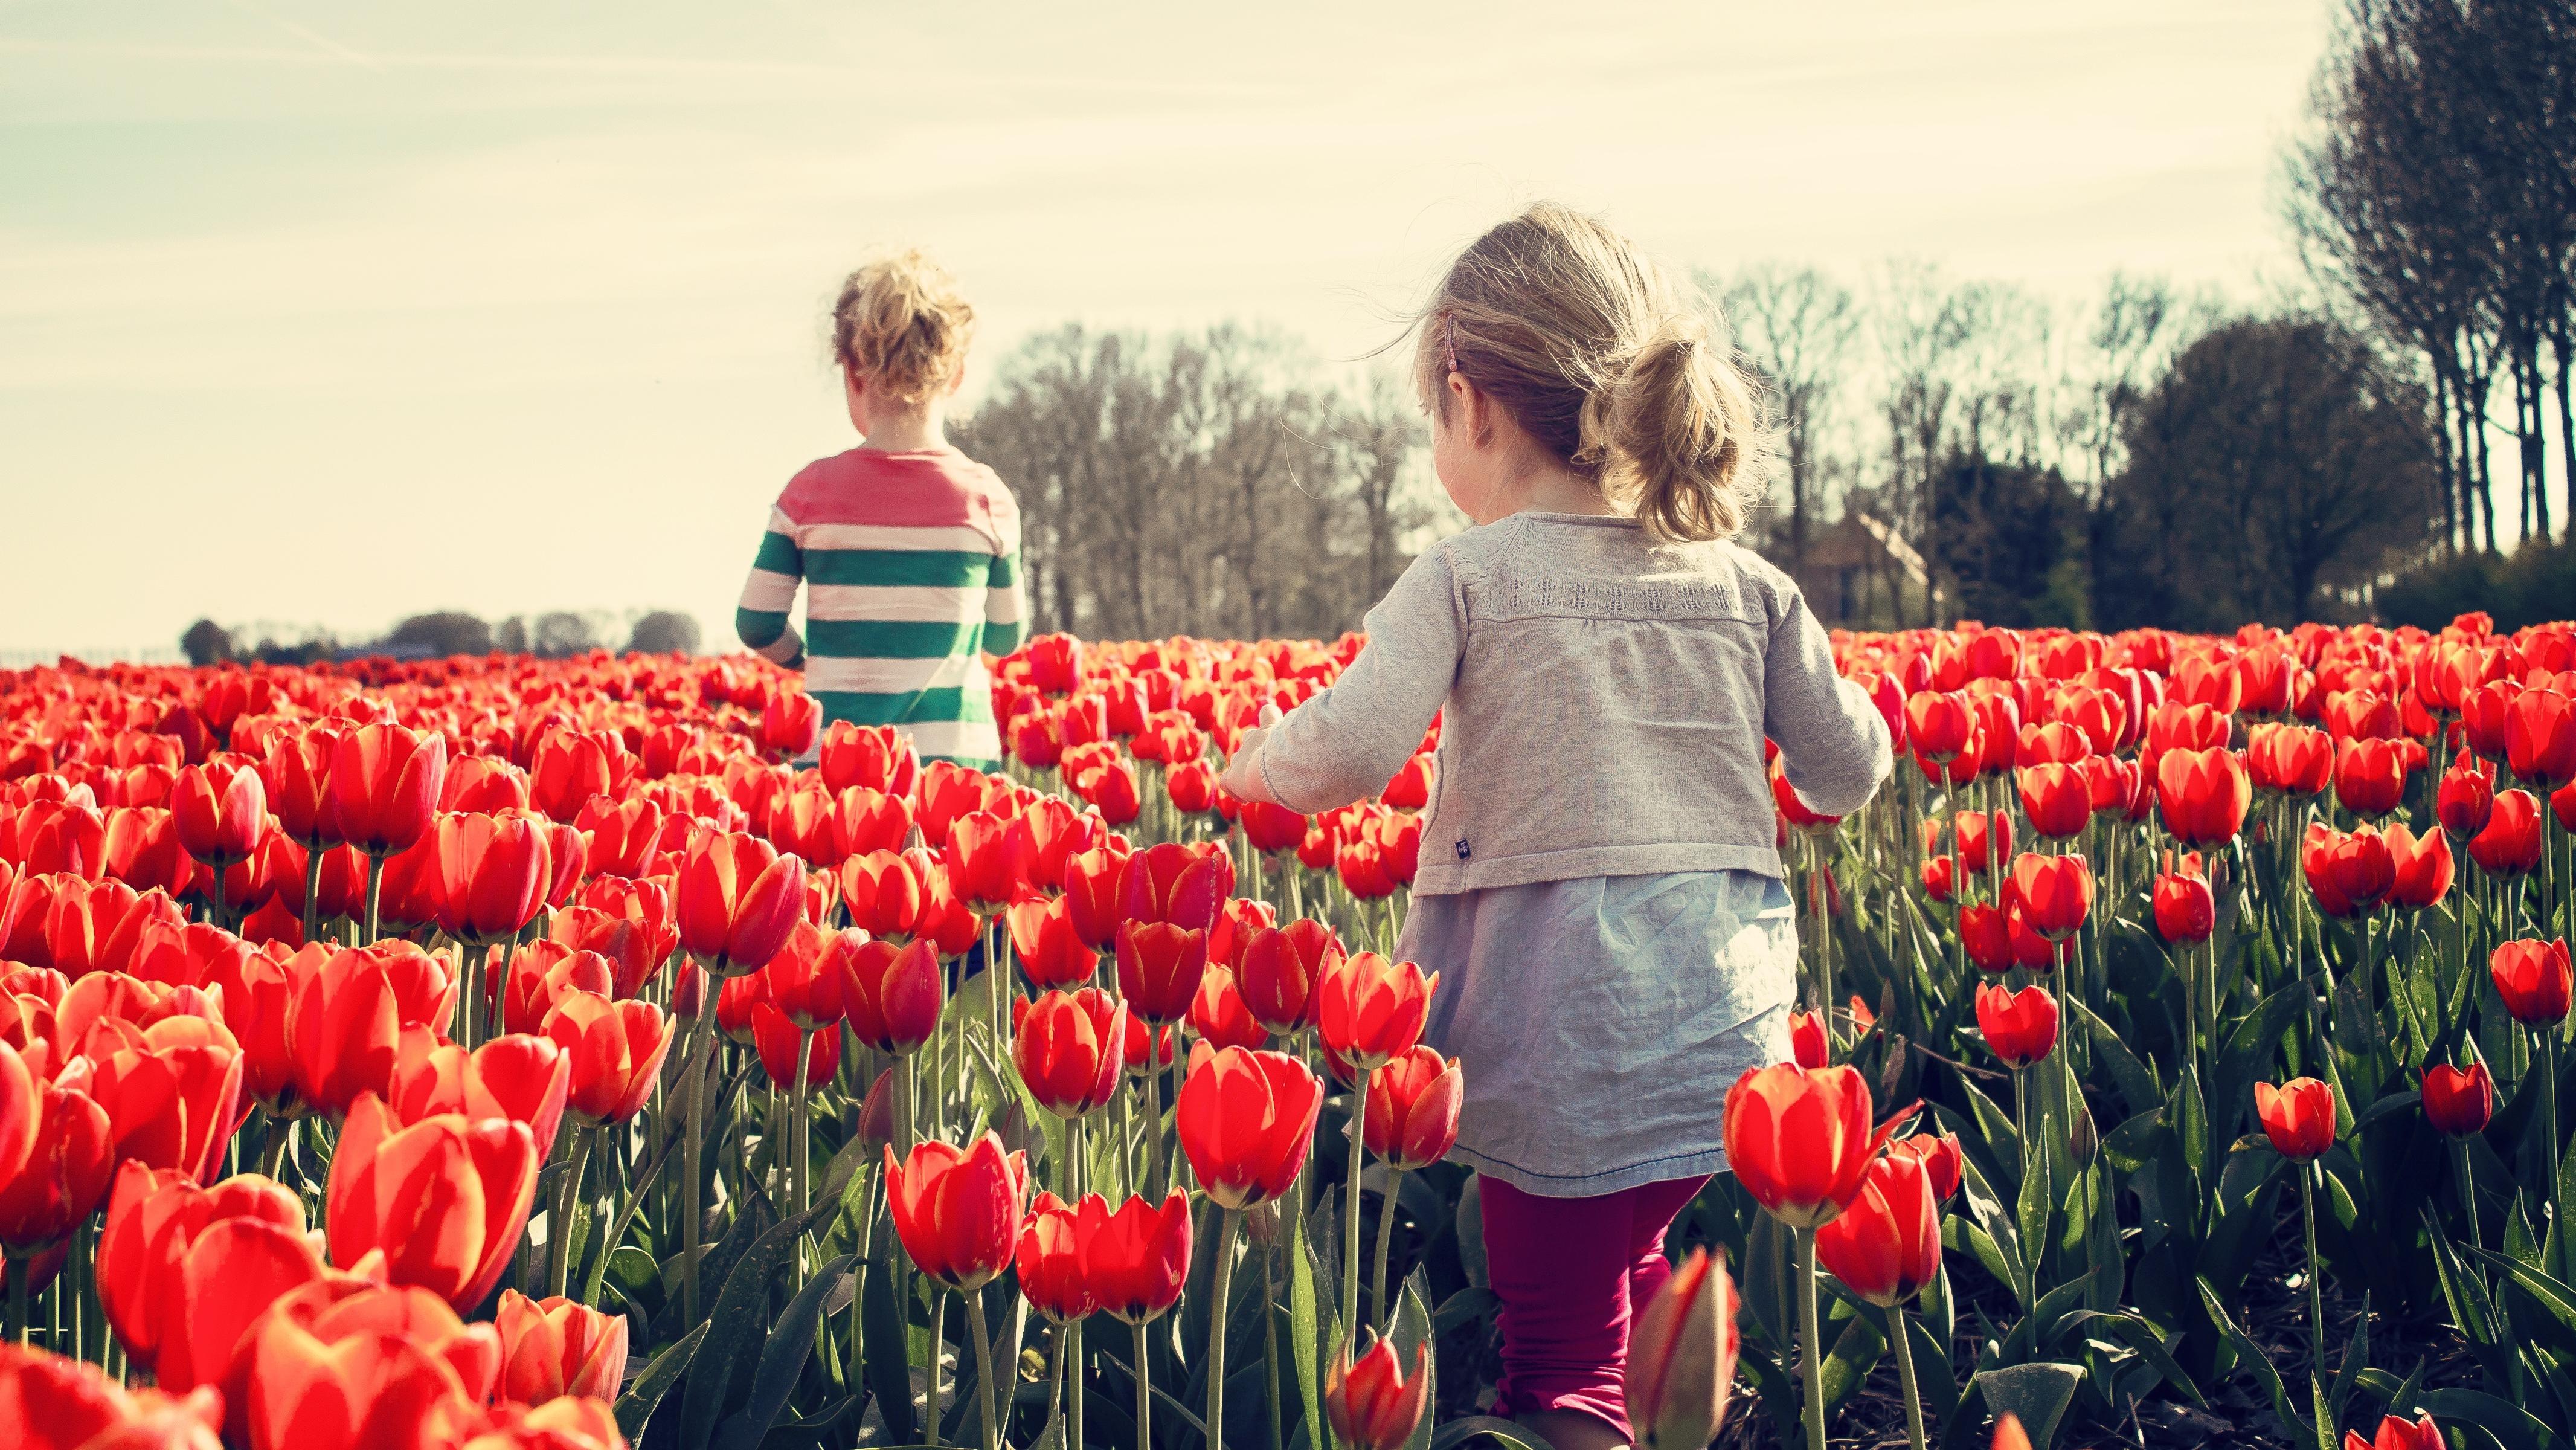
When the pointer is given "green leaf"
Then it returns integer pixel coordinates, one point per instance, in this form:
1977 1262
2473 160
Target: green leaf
740 1319
2552 1296
1856 1351
885 1349
1468 1304
2293 1424
1304 1329
635 1407
1412 1329
2248 1055
782 1362
2138 1086
2356 1358
1509 1432
2037 1394
2141 1336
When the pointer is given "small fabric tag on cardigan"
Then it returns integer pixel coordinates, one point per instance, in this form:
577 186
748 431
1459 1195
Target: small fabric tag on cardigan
1462 848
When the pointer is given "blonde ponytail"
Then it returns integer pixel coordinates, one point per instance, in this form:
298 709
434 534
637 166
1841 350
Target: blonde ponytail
1594 352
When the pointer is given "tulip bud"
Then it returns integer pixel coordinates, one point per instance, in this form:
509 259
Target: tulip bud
1372 1404
1681 1357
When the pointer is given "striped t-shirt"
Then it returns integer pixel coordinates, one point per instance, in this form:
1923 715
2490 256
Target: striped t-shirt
912 562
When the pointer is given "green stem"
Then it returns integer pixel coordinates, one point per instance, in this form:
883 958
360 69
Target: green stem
1905 1378
18 1318
1154 1109
375 889
2462 1179
1144 1397
693 1124
312 891
1216 1329
272 1149
983 1362
1351 1214
1270 1335
2548 1067
2316 1289
1815 1360
559 1217
1385 1233
938 1325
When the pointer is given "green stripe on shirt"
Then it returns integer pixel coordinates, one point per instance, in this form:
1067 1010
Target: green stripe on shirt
933 568
758 627
779 555
891 639
949 702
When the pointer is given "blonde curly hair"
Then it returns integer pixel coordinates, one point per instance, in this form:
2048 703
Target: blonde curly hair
901 324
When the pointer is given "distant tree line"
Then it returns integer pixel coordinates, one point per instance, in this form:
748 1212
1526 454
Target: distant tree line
554 635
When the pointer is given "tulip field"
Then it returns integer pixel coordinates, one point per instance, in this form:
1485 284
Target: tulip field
490 1053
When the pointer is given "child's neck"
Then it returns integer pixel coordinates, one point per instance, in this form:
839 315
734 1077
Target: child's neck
914 430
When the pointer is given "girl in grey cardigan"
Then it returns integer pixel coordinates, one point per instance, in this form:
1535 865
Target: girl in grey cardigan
1599 887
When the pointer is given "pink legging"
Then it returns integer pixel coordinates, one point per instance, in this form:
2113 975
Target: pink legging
1572 1273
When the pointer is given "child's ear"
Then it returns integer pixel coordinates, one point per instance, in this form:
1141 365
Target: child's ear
958 381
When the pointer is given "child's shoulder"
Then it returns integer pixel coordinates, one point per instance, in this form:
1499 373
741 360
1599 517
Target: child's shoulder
933 488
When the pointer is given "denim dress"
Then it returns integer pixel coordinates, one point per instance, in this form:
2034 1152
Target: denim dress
1601 1020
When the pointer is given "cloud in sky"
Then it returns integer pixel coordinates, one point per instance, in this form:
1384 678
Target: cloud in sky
341 312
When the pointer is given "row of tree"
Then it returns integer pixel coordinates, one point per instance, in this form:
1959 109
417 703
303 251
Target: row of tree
554 635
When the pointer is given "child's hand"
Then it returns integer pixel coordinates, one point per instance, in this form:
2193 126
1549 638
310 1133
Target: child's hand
1242 778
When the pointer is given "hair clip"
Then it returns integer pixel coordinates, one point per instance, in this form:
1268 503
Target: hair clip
1449 341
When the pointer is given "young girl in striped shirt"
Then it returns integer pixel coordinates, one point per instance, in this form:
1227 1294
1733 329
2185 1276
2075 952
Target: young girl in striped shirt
909 550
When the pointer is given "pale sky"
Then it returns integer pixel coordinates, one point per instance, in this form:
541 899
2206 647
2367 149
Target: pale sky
335 313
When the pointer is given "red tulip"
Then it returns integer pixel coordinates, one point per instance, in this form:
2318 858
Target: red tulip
1176 884
155 1216
384 787
2423 867
782 1045
891 997
1070 1049
628 922
494 874
522 1078
22 1111
296 777
1049 1261
1940 1156
1158 968
220 811
737 900
2533 978
2298 1116
2185 911
1939 724
1373 1404
1681 1357
2347 873
1136 1259
1051 953
2511 843
49 1402
64 1176
556 1347
1218 1015
2289 759
1798 1139
2056 893
1983 841
958 1212
2019 1027
444 1200
789 727
614 1050
1272 828
2057 800
1886 1246
481 784
2370 776
1808 1045
1280 970
1985 932
2465 798
572 768
2540 739
2203 794
1413 1105
541 974
172 1106
878 757
1246 1119
373 1390
2458 1103
2397 1434
1371 1011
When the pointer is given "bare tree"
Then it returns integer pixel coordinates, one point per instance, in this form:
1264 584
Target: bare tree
1797 325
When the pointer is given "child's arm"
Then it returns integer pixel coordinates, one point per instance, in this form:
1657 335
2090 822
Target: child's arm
1347 742
1833 744
1006 603
761 619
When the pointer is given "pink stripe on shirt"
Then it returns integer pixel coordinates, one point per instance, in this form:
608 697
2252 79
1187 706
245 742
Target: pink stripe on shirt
926 490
